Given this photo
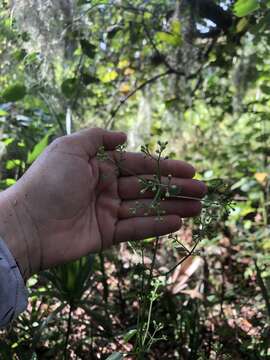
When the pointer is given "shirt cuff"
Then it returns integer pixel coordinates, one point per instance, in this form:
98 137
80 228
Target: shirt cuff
13 293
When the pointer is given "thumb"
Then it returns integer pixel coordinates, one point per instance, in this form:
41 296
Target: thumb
92 139
113 138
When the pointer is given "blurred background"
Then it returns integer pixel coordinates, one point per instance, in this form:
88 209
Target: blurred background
190 72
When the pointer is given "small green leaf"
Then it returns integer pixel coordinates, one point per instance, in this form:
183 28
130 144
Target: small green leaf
129 335
245 7
11 164
109 76
6 183
69 87
115 356
3 112
10 182
8 141
38 149
265 89
242 25
176 27
171 39
14 93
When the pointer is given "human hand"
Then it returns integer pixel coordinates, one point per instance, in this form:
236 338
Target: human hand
69 203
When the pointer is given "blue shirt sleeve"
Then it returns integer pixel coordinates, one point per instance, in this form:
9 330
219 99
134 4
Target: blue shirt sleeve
13 294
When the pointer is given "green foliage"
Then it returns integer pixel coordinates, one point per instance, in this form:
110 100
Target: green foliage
162 74
70 281
14 93
115 356
244 8
39 148
69 87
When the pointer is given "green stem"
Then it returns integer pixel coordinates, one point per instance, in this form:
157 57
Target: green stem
68 332
263 288
144 303
148 322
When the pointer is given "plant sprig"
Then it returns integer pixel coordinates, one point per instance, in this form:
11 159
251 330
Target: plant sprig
216 205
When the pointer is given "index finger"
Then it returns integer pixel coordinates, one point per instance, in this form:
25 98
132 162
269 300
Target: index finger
132 163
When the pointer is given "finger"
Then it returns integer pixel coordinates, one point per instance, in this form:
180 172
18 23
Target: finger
182 208
137 164
92 139
129 187
140 228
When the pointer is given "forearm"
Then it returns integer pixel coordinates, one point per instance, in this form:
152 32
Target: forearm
13 262
18 233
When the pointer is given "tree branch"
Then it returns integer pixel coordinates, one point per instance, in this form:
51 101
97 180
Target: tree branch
140 87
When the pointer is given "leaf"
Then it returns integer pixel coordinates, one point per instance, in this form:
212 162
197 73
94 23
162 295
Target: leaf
123 64
14 93
171 39
129 71
38 149
176 27
265 89
245 7
266 244
69 87
115 356
129 335
109 76
263 137
242 25
261 178
8 182
11 164
182 274
124 88
87 48
3 112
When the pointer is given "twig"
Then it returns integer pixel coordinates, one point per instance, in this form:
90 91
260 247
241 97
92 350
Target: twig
190 253
140 87
68 332
263 288
53 113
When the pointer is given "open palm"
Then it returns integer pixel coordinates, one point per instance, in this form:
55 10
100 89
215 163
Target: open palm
80 204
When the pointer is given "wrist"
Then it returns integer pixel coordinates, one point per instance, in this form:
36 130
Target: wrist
18 232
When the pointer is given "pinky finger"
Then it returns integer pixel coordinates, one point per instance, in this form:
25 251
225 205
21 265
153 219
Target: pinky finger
140 228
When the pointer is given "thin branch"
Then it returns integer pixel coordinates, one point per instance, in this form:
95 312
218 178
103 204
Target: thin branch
263 288
140 87
68 332
190 253
53 113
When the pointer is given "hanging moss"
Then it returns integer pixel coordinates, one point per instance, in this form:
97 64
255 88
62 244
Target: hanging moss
47 23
